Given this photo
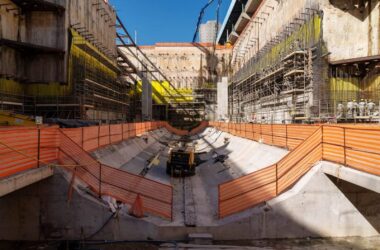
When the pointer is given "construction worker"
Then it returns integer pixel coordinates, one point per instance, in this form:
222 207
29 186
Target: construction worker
350 109
355 108
371 107
340 110
362 107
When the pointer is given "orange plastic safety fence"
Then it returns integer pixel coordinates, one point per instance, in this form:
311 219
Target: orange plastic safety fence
356 146
250 190
287 136
123 186
92 138
247 191
25 148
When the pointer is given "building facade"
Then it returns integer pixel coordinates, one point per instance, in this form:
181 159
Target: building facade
303 61
208 31
58 60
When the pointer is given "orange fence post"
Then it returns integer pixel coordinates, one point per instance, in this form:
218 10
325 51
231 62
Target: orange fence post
122 132
38 146
99 136
100 180
82 136
109 133
344 146
286 136
276 179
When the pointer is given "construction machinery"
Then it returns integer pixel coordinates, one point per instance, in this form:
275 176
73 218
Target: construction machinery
181 161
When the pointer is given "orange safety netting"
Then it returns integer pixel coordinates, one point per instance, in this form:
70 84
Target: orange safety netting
27 148
356 146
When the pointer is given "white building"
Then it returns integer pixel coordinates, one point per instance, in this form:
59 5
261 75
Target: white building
208 32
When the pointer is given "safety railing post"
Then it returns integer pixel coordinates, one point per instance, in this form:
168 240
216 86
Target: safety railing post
322 143
344 146
100 180
109 133
98 136
253 131
38 146
122 131
286 135
272 132
82 136
276 179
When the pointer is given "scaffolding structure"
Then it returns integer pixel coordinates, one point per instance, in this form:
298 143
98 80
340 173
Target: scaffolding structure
277 85
176 107
95 91
85 83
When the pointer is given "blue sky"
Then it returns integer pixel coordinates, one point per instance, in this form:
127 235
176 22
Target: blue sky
165 20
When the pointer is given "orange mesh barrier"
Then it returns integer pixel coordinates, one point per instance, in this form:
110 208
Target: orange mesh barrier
24 148
356 146
250 190
287 136
104 180
299 161
92 138
245 192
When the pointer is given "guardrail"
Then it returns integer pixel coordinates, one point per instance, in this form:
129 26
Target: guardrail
354 146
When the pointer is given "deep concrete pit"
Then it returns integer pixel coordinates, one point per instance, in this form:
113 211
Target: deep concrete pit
315 207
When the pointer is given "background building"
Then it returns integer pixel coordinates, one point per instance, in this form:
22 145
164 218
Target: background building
208 32
193 70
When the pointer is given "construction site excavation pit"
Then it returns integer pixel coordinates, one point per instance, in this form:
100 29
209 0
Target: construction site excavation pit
236 195
221 158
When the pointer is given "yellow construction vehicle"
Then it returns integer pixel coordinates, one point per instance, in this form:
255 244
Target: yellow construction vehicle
181 161
11 119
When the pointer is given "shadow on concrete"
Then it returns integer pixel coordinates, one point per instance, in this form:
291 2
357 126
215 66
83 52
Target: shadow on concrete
360 9
366 201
